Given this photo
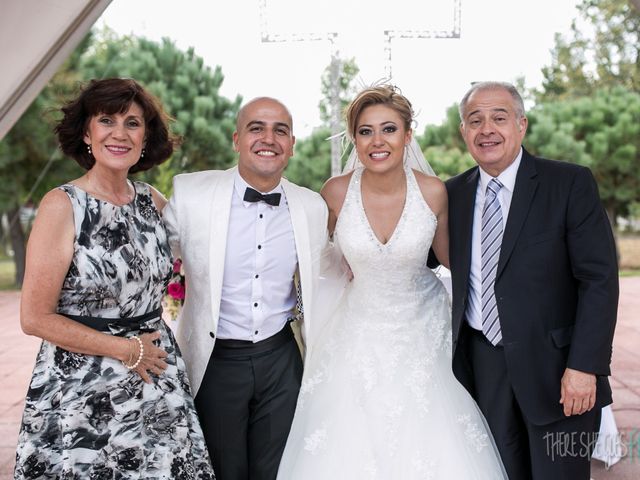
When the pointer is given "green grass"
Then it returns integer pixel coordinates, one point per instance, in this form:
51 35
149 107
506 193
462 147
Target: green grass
630 273
7 274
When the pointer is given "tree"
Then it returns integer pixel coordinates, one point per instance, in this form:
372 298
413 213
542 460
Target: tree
448 162
444 148
447 134
588 109
189 91
346 88
607 57
601 131
311 164
30 163
187 87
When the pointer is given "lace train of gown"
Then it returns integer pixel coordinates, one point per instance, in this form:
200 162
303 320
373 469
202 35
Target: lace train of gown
378 398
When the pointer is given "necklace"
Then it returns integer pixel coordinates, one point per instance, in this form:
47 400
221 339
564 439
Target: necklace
114 198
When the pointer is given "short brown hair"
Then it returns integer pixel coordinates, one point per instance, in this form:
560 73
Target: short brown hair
109 96
387 95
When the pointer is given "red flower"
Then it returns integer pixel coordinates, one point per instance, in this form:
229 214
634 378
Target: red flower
177 265
176 290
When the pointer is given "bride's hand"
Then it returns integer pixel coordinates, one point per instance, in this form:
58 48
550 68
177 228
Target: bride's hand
347 269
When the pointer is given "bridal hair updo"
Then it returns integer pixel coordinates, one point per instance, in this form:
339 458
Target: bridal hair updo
110 96
387 95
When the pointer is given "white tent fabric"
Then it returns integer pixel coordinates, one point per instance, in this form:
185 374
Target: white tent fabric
36 36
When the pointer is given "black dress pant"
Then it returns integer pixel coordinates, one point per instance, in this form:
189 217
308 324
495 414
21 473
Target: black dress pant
246 404
558 451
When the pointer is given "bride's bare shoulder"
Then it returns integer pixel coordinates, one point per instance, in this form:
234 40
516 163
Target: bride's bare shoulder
430 183
433 191
335 189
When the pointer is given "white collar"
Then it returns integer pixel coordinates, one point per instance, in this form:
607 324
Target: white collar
240 186
507 177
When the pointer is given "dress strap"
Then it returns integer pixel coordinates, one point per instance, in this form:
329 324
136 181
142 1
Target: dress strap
351 197
141 188
412 182
414 194
354 181
353 190
78 199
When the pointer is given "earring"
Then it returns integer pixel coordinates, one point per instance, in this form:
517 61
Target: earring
142 153
89 150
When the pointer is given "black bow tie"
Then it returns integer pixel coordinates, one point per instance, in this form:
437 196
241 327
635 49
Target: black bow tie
251 195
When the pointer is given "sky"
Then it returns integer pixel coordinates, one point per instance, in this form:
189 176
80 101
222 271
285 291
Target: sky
499 40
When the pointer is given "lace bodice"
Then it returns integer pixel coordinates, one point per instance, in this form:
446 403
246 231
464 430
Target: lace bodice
392 275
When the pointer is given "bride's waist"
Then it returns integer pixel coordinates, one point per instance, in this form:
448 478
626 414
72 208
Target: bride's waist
389 305
412 289
390 320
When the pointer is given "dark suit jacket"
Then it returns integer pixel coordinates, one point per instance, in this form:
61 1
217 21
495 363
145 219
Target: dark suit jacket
556 285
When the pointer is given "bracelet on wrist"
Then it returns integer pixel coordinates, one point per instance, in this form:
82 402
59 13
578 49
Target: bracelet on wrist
140 354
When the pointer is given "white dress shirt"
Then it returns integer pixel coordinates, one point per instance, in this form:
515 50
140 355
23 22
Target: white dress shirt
258 293
508 180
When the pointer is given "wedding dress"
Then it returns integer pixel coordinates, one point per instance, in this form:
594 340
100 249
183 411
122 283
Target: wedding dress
378 397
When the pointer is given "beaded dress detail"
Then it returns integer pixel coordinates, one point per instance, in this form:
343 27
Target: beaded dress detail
88 417
378 397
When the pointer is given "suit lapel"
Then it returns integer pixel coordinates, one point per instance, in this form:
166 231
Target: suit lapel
303 245
523 193
465 218
220 210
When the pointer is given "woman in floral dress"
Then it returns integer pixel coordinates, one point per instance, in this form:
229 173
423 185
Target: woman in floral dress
109 396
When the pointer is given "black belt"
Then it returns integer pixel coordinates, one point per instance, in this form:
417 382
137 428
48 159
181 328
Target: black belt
479 334
122 325
234 348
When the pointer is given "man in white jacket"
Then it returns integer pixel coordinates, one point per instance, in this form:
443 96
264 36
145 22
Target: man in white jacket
247 238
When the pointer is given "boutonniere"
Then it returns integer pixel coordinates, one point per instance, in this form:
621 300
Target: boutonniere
176 291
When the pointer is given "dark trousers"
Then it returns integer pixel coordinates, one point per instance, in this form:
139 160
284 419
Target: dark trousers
246 404
560 450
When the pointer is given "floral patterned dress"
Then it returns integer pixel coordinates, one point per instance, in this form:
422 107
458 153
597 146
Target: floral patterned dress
88 417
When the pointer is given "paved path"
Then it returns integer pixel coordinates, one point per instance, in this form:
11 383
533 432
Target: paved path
17 355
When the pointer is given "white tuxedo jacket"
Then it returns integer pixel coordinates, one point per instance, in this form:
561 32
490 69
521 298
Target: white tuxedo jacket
197 220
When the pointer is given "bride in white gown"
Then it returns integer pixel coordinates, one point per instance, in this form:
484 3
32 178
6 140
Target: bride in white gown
378 398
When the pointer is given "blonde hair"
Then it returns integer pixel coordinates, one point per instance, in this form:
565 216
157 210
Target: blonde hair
387 95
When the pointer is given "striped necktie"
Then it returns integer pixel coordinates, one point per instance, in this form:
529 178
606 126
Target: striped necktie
299 307
490 243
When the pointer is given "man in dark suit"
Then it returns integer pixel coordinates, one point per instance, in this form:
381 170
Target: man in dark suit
535 292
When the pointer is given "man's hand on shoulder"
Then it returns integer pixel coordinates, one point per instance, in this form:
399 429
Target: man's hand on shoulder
577 392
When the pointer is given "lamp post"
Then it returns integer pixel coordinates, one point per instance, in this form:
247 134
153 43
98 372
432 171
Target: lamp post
335 71
335 66
390 35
